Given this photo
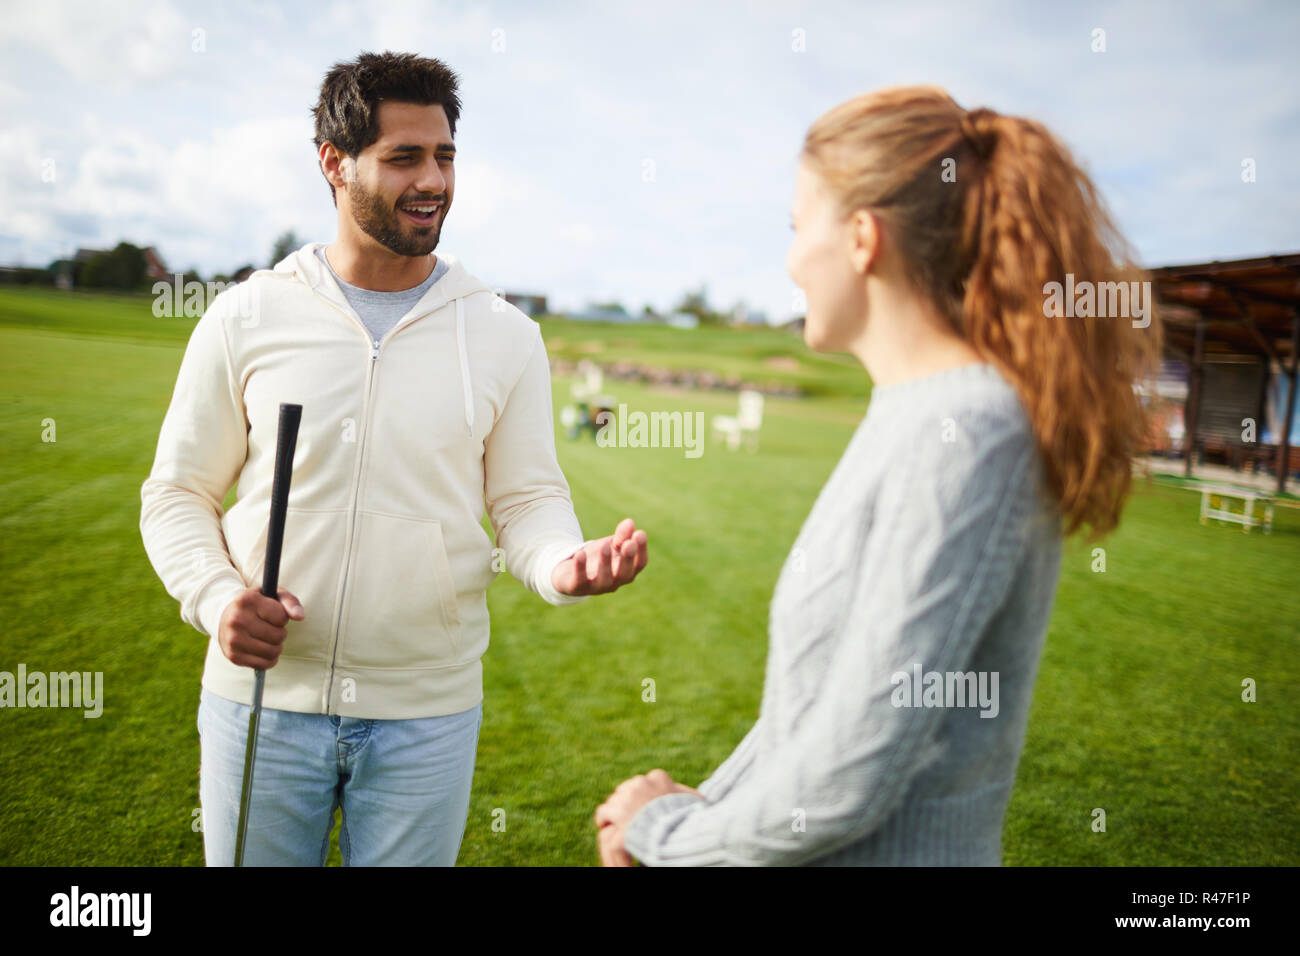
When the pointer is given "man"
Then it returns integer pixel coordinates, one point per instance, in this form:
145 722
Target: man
424 396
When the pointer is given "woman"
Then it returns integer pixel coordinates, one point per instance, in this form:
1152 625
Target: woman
906 625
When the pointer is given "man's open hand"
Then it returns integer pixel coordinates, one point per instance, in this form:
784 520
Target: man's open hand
605 564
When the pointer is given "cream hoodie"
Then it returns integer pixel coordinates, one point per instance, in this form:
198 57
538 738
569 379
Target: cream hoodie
401 445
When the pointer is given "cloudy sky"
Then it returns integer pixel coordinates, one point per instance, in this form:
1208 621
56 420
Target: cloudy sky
186 125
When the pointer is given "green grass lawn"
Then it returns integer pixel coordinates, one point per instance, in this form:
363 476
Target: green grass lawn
1137 711
757 355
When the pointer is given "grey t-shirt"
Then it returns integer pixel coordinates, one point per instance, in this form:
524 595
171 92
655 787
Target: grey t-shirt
380 311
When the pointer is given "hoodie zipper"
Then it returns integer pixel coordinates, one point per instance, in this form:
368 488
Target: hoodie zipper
371 374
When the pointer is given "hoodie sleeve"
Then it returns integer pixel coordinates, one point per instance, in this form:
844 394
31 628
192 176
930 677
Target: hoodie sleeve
202 447
526 493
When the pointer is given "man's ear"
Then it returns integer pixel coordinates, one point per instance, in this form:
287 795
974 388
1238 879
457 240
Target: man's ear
339 170
864 231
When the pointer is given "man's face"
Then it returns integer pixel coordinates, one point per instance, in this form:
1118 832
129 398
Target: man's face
411 165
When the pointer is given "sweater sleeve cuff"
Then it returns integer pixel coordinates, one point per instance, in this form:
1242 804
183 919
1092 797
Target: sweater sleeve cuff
646 831
212 601
546 563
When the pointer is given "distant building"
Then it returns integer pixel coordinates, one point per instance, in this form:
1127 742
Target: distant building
527 302
603 314
154 268
743 315
683 320
1232 328
1171 382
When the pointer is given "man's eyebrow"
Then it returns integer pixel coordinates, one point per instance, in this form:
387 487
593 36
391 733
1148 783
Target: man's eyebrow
412 148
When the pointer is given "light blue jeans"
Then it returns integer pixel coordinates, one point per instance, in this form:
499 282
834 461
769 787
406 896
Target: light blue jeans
404 786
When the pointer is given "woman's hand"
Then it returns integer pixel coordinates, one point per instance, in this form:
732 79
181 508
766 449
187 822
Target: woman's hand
613 816
609 843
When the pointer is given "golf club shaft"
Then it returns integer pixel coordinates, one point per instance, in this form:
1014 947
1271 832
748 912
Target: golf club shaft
286 441
250 757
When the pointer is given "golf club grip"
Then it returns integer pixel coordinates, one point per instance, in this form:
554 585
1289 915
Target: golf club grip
285 443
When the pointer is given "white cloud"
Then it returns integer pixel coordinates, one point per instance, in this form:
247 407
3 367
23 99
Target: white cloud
121 46
209 157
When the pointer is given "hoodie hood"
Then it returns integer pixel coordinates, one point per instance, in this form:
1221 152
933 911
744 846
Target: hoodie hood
305 266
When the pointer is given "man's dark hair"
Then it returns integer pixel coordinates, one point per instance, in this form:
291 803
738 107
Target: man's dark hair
347 113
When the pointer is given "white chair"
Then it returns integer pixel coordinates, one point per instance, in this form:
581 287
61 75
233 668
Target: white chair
589 400
746 424
591 383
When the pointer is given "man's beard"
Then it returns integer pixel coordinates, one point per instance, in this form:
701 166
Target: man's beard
384 224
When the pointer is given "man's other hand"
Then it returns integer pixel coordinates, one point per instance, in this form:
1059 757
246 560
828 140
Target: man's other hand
605 564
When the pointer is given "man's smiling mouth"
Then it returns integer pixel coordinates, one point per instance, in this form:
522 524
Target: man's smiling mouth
423 213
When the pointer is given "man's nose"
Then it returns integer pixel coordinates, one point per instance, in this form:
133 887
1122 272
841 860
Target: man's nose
431 180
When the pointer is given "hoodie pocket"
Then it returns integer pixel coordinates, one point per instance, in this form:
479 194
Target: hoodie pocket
309 570
400 599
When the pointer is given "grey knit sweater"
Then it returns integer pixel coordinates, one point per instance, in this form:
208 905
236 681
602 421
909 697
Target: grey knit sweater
904 638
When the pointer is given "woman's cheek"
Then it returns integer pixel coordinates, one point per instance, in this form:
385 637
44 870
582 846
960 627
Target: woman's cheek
819 298
813 332
794 264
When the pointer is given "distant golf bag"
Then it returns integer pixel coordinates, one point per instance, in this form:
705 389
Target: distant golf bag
286 441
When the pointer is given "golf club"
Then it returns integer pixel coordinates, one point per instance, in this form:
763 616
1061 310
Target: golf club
286 441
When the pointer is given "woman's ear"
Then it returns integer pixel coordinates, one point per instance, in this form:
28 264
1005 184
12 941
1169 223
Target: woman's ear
864 234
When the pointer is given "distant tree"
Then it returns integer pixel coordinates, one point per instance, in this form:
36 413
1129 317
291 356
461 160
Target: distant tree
26 275
697 304
286 244
611 306
123 267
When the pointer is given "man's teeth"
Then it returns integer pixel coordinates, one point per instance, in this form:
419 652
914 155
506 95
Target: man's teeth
423 210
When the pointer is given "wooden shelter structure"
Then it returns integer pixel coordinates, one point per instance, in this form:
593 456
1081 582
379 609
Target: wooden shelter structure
1243 313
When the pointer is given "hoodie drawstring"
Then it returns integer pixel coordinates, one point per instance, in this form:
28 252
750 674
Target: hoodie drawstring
464 365
308 267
